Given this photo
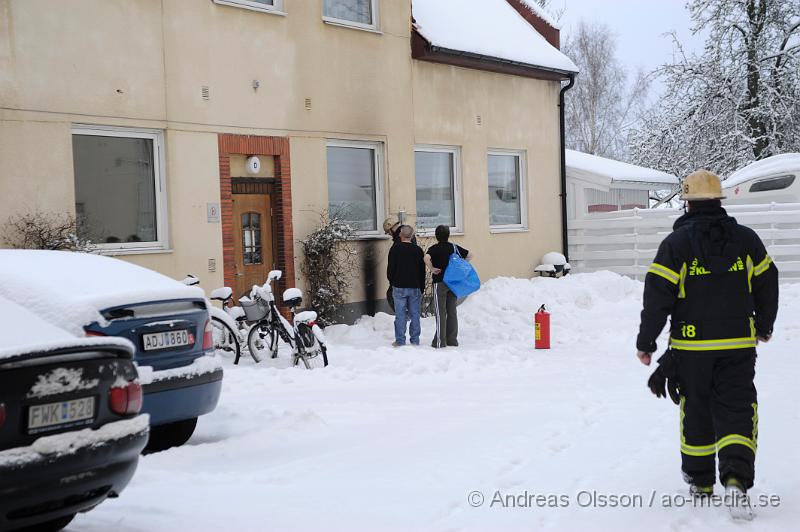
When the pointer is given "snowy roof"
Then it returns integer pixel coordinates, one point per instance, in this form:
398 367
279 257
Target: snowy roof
541 13
24 332
69 289
777 164
607 171
491 28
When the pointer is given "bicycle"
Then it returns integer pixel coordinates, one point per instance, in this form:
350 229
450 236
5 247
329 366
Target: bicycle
228 323
304 336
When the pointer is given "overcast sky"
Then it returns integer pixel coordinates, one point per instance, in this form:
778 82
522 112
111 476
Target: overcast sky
640 27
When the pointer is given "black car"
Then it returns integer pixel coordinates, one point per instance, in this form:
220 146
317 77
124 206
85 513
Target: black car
70 429
166 322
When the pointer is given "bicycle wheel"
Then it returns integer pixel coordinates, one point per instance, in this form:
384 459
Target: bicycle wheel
225 339
262 341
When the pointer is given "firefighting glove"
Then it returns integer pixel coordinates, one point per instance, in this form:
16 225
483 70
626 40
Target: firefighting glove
665 377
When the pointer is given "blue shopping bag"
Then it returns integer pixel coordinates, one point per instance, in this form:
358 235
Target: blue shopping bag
460 277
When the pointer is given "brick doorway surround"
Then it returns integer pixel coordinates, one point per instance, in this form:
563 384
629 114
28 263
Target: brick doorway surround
278 147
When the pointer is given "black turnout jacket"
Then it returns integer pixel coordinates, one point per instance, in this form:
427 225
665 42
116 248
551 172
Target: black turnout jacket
717 282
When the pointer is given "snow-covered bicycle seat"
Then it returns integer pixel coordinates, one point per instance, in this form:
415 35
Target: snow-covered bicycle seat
306 316
222 294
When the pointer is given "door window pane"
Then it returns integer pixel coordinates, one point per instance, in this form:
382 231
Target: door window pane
775 183
435 175
351 186
359 11
115 188
251 237
504 190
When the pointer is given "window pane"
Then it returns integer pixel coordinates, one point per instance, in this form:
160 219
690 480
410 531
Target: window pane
115 188
504 201
435 189
251 237
351 185
265 2
353 10
775 183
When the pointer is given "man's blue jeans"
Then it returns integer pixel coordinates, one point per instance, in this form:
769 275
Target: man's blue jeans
406 301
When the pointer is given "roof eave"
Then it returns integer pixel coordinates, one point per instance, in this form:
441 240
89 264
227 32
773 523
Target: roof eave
423 50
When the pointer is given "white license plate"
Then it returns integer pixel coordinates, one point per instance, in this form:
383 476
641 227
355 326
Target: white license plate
166 340
63 413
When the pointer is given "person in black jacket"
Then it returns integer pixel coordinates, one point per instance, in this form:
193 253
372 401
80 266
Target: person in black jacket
406 274
391 228
444 300
720 287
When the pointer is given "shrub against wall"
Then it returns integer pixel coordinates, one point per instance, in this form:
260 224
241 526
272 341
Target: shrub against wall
329 265
44 230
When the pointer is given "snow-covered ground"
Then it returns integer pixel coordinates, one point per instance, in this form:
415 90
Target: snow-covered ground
400 439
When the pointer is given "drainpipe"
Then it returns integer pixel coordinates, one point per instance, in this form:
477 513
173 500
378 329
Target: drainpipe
564 238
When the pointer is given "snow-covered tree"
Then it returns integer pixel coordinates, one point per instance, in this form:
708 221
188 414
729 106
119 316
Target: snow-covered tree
602 106
329 264
738 101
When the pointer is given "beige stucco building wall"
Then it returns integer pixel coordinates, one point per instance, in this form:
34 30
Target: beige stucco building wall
144 64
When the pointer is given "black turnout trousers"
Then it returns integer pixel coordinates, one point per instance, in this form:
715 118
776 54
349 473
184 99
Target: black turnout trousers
718 415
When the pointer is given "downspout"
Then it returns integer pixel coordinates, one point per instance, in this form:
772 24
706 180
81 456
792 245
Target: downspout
564 238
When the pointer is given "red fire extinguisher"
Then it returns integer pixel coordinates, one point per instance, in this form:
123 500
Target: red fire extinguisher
542 323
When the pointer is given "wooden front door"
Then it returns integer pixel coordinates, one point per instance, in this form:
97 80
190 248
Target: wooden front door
252 244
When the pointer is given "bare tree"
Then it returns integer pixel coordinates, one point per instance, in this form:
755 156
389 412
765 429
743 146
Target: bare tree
602 107
44 230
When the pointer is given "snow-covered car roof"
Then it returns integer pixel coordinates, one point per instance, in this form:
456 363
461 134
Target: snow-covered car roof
786 163
490 28
70 289
593 167
24 333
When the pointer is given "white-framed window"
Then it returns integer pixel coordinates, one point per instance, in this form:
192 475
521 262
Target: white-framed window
120 193
355 183
267 6
437 170
361 14
508 209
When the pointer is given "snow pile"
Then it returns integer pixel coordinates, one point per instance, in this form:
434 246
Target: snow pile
487 27
66 443
401 439
584 165
69 289
24 333
787 163
61 380
200 366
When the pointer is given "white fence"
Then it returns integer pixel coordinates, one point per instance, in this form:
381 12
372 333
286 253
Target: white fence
625 242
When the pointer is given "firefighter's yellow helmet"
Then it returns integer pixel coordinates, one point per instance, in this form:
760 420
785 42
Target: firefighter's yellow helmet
388 223
701 185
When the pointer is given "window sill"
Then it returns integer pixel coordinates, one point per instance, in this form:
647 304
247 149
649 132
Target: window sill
233 3
501 230
366 237
351 25
453 232
132 251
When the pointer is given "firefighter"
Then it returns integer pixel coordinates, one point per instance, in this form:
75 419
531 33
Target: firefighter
713 277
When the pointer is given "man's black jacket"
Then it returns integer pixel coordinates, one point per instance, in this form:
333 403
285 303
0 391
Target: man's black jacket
406 267
714 277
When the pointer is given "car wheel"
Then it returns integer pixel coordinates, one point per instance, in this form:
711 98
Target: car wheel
175 434
50 526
